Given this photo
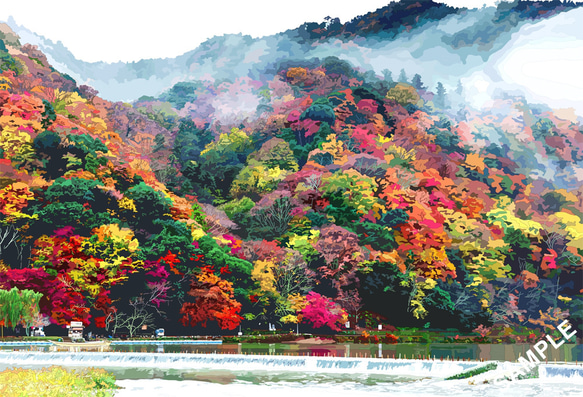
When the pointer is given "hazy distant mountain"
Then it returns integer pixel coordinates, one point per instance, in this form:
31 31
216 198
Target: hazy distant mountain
303 190
441 43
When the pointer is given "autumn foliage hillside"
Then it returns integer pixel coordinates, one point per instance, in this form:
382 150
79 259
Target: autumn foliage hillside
340 196
82 211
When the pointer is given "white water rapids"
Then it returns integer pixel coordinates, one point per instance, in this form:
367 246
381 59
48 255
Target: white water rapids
233 375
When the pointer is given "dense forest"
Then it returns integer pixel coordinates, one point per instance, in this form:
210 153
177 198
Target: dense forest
341 196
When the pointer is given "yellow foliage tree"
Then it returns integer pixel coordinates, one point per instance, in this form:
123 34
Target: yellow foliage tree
263 273
358 189
336 148
16 144
404 94
256 178
13 199
504 216
236 141
569 224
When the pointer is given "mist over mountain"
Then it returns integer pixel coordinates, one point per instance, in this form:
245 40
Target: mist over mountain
441 43
389 170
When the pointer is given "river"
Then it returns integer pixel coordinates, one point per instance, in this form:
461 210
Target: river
318 371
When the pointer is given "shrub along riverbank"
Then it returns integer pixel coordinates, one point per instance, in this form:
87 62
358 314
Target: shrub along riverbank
56 381
389 334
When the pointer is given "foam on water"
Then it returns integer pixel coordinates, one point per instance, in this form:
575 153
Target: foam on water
262 376
237 362
424 387
561 372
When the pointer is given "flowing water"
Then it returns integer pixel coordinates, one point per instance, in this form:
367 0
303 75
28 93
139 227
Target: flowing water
455 351
289 371
353 388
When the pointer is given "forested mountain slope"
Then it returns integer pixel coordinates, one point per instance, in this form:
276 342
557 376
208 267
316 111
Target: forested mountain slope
336 194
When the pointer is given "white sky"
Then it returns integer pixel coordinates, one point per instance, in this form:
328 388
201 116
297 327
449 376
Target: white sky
130 30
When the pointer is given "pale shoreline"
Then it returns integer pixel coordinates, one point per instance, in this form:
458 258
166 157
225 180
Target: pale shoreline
426 387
